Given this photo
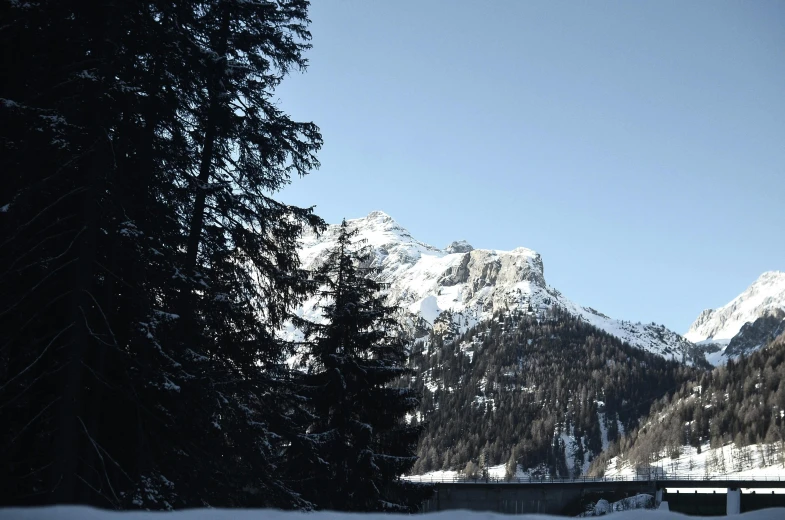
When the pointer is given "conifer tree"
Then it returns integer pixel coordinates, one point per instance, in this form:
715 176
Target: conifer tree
358 416
66 242
139 300
241 275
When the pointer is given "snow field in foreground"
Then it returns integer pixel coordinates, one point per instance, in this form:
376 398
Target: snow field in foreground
87 513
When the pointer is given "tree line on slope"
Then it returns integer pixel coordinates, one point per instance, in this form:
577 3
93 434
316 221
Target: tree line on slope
517 389
145 267
741 403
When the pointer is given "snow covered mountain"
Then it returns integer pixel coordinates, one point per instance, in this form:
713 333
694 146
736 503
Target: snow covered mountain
458 286
746 321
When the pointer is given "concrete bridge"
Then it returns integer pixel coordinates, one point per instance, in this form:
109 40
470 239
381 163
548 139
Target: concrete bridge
568 496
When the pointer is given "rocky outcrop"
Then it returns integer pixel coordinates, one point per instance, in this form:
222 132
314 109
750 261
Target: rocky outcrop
456 274
459 246
701 323
754 335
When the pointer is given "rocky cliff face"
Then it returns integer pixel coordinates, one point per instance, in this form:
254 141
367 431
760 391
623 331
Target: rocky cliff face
756 334
458 286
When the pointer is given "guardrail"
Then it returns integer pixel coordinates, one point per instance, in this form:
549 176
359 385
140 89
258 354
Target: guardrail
625 478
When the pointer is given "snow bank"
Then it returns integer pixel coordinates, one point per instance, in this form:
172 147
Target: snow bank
603 507
495 473
87 513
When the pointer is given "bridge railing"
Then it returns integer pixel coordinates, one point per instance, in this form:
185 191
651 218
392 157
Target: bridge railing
463 479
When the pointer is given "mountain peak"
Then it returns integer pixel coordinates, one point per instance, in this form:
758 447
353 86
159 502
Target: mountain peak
770 277
379 215
764 295
459 246
375 219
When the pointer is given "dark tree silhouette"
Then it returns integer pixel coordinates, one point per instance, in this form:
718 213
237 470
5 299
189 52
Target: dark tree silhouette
144 263
355 354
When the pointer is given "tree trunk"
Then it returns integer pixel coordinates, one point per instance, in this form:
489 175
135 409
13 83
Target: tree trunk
208 150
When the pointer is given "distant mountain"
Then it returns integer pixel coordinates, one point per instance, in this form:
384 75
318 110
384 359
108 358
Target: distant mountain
459 286
747 322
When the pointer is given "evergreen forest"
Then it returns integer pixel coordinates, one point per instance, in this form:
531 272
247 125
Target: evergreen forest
741 404
539 391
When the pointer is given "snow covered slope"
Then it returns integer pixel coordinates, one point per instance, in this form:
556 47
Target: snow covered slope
461 285
755 462
764 298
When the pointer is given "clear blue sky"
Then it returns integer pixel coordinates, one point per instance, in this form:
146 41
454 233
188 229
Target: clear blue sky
638 146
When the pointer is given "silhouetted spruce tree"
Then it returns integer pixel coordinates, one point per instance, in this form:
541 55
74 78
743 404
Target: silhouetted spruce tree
138 365
355 354
241 271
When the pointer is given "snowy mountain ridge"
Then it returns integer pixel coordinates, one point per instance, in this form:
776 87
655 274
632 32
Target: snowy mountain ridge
463 285
758 306
766 293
